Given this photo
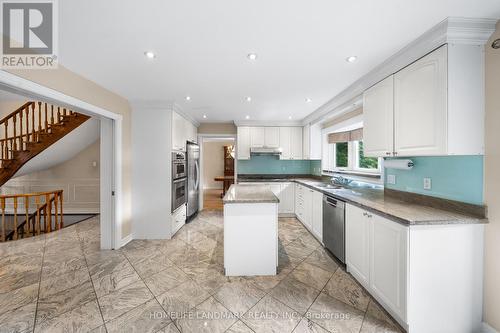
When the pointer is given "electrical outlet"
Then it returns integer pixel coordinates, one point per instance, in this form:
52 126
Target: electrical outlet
391 179
427 184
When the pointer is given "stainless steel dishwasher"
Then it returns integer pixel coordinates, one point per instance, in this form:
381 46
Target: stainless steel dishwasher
334 226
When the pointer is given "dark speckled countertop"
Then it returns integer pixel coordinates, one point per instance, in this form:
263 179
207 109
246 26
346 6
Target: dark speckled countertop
376 200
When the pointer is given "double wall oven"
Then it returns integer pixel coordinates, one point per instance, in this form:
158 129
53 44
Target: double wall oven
179 180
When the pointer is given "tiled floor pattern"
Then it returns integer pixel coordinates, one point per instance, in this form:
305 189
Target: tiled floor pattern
62 282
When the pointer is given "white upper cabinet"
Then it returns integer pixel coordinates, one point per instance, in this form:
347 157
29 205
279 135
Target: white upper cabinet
420 108
296 143
272 137
243 144
438 104
378 119
285 143
257 137
182 130
311 137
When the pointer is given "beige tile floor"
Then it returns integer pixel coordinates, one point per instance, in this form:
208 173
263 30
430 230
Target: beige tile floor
62 282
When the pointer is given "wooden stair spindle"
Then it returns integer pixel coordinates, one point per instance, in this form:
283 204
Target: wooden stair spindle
21 144
2 202
61 210
46 123
39 121
57 221
33 138
27 124
16 236
37 204
48 223
26 209
52 115
15 136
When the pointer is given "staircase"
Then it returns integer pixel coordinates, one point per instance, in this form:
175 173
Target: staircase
31 129
24 134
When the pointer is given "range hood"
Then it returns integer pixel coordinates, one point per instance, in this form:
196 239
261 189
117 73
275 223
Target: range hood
265 151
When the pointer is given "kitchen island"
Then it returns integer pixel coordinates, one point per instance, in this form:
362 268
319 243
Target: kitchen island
250 231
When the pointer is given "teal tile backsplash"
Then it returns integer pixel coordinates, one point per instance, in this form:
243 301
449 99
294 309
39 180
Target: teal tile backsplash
457 178
266 164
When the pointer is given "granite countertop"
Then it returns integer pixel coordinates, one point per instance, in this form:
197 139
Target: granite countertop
241 193
376 200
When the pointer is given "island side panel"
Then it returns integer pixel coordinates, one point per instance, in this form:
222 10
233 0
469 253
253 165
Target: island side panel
250 239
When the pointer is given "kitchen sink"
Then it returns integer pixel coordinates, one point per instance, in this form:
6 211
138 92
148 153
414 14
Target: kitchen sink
328 186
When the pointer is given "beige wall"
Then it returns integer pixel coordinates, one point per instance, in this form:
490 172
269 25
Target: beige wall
492 186
217 128
72 84
77 177
213 162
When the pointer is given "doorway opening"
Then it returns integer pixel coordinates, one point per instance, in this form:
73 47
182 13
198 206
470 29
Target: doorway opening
218 170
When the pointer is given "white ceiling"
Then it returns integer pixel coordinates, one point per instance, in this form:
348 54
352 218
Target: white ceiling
201 48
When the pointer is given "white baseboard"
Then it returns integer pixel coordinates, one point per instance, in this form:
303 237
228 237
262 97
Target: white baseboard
126 240
487 328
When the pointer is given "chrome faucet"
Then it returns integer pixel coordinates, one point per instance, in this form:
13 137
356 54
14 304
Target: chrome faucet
340 180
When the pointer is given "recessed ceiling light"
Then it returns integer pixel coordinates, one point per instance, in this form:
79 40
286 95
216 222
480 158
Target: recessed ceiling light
204 116
248 99
289 117
252 56
247 117
150 54
352 59
188 98
308 100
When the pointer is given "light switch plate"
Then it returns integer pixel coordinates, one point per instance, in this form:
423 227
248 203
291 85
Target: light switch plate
391 179
427 184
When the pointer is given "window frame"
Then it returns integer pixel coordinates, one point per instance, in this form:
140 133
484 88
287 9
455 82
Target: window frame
352 160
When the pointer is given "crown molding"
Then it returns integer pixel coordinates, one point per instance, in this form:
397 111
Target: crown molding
267 123
453 30
162 105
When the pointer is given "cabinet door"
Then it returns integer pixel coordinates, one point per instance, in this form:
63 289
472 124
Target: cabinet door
178 132
420 106
296 143
272 137
287 199
308 207
257 137
378 119
357 244
317 215
306 142
388 260
243 144
285 135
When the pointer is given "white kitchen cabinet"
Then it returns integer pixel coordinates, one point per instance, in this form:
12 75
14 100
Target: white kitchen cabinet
243 143
272 137
317 215
378 119
182 131
296 143
311 138
287 198
420 109
388 262
437 100
308 207
257 137
178 132
357 244
299 202
285 143
178 219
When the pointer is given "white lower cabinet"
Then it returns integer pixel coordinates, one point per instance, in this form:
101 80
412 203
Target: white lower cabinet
357 243
308 206
178 219
376 255
388 263
317 215
287 198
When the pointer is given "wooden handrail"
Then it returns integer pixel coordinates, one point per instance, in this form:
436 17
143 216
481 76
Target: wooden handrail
26 125
39 221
